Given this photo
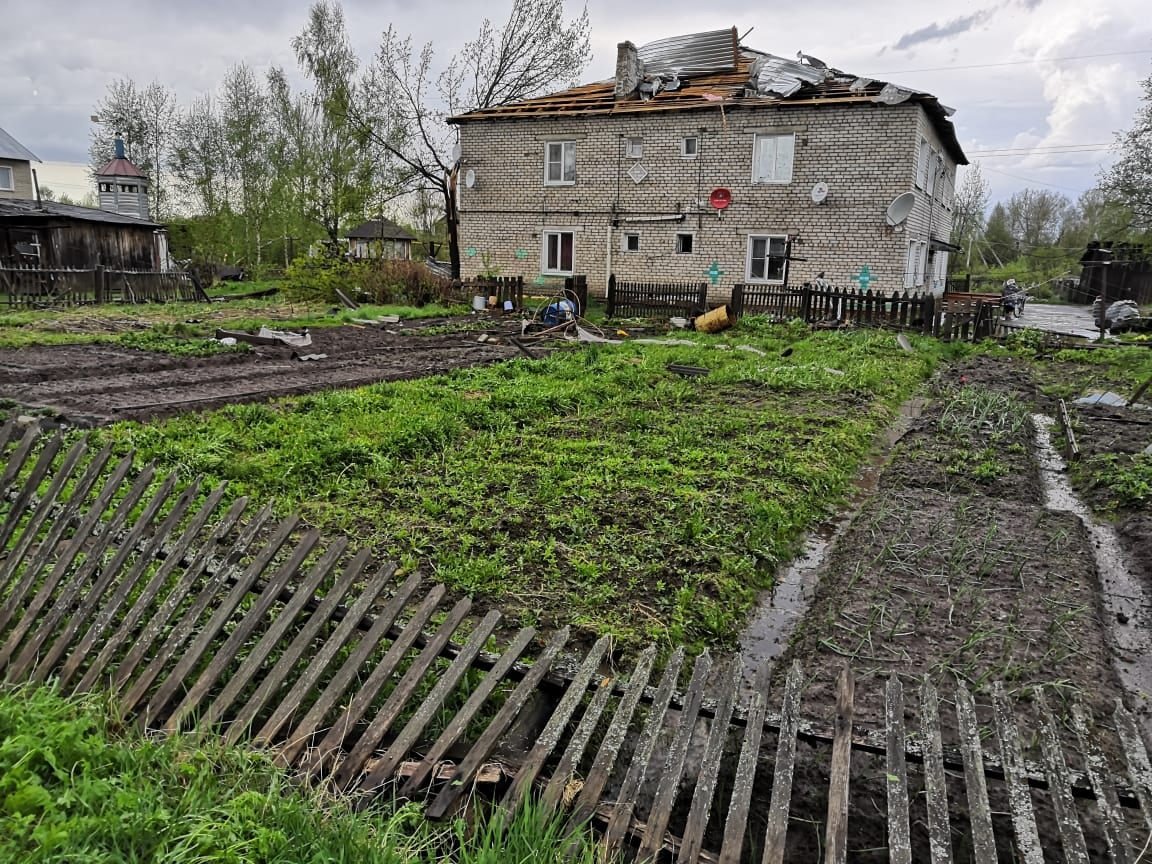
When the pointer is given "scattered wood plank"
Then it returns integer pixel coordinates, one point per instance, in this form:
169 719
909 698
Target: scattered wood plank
346 300
899 839
1071 449
836 831
979 813
1071 836
1019 798
935 786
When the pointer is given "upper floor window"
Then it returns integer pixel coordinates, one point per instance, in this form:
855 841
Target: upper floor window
6 181
767 258
107 187
634 148
560 163
127 187
689 147
923 159
772 158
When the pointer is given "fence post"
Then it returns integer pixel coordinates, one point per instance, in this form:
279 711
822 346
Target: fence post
611 310
805 302
98 283
702 299
737 301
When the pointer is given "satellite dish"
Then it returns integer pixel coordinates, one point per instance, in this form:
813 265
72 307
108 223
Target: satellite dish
456 152
819 193
720 198
900 207
470 178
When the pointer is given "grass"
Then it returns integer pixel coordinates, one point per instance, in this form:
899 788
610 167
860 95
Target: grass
593 487
76 785
183 328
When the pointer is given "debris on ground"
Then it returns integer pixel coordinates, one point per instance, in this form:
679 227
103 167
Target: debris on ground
1107 397
720 318
752 350
310 357
265 336
903 342
687 371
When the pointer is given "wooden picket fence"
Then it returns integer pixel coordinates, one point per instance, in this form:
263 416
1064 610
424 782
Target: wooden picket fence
43 288
198 614
656 299
848 306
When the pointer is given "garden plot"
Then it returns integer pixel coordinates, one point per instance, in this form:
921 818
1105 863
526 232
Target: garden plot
100 383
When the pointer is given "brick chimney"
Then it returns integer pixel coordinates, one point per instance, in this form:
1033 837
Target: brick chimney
629 71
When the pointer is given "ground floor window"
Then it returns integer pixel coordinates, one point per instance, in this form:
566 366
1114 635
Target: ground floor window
915 263
631 242
767 258
558 253
685 244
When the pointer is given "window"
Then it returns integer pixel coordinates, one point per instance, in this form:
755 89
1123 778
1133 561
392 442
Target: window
772 158
915 263
688 147
558 246
921 164
560 163
631 242
934 167
6 181
634 148
684 244
767 258
106 187
127 187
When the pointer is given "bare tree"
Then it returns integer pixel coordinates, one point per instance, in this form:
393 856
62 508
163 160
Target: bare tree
146 120
1129 180
968 213
1035 217
405 104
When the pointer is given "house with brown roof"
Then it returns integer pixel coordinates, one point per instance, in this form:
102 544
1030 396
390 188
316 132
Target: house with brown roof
707 160
379 238
15 168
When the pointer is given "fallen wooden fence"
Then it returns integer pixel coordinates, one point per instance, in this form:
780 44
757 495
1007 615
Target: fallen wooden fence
200 614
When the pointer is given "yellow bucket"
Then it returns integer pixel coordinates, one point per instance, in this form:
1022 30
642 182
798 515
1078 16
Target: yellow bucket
720 318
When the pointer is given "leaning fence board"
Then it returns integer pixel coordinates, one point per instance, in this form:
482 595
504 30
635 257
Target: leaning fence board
614 737
935 788
226 653
741 801
1136 755
669 783
979 813
559 782
776 832
499 724
548 738
468 710
692 841
366 689
302 593
899 839
621 817
352 765
32 483
1071 836
399 749
16 461
1097 769
174 556
836 833
1019 798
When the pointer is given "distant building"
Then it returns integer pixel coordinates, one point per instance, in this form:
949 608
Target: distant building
706 160
15 168
379 238
121 186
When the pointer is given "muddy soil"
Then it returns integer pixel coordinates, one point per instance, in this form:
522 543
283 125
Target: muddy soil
94 384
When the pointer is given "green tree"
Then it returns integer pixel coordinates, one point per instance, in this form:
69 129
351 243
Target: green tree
970 205
1129 180
146 120
998 243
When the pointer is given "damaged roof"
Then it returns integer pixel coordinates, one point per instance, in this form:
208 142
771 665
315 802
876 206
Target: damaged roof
698 71
24 208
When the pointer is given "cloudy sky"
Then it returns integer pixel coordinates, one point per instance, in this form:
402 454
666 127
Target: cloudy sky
1039 86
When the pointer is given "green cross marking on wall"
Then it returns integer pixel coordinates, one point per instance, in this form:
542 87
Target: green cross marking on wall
521 254
714 272
539 280
864 277
470 251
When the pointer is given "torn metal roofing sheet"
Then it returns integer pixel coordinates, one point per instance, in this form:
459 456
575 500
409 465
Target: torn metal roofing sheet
694 54
10 148
775 75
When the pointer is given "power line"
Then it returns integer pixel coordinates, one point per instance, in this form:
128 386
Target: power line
1037 182
998 154
1037 148
1016 62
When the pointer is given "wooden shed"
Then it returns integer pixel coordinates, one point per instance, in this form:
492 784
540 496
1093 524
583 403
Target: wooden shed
63 236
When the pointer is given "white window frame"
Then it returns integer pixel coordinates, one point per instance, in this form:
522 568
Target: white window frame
767 238
774 180
634 147
11 184
565 148
557 271
922 163
684 154
916 264
628 236
679 234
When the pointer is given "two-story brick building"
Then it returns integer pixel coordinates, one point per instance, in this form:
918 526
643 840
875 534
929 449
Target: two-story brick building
623 176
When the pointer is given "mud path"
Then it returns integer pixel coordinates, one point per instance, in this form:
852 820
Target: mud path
93 384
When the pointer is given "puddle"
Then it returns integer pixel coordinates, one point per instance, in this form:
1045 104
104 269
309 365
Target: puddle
1127 605
780 609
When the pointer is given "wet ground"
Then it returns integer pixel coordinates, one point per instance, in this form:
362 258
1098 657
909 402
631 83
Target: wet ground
94 384
1057 318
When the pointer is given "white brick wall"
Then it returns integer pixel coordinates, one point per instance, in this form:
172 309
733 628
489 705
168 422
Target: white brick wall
866 153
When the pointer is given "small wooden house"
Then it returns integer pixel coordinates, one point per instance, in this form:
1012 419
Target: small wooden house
379 238
63 236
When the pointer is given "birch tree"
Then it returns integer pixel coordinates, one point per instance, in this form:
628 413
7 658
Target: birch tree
1129 180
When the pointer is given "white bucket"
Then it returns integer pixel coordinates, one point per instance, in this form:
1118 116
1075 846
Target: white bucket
507 305
479 303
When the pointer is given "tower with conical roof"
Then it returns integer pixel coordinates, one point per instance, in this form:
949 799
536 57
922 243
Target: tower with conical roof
122 187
